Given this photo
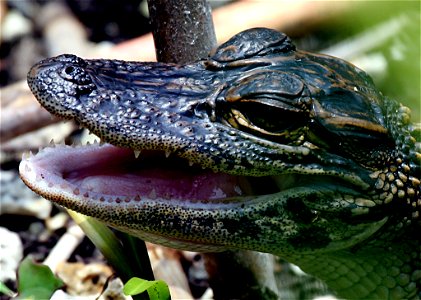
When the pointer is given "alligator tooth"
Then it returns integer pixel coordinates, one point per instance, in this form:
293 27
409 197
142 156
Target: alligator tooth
52 144
136 153
167 153
26 155
238 190
152 194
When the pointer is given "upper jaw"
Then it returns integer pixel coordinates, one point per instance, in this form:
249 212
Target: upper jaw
138 112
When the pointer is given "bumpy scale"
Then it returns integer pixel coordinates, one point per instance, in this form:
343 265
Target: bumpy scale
260 146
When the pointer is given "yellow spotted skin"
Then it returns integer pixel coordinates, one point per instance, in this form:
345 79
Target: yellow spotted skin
342 160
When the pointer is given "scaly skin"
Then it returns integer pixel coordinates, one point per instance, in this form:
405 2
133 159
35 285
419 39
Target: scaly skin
270 149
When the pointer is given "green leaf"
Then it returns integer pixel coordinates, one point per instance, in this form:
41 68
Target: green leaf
157 289
5 290
119 254
36 281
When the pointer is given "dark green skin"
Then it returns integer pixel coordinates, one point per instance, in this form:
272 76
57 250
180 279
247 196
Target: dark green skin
343 156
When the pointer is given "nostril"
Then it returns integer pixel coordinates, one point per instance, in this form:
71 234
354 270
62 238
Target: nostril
69 70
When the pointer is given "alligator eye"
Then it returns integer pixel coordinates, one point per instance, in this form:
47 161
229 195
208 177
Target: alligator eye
278 123
268 103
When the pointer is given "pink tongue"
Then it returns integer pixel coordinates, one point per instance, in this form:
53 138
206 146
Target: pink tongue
167 184
114 171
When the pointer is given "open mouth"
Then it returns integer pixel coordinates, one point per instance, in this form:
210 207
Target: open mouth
155 196
111 174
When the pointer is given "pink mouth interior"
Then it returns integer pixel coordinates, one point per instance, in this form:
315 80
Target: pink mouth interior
112 171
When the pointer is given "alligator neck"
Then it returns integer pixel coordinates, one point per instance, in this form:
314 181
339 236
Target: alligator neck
383 268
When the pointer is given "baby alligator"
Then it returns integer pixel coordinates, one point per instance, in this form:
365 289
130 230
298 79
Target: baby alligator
260 146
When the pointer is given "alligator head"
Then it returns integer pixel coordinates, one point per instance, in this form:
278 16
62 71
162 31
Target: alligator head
260 146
